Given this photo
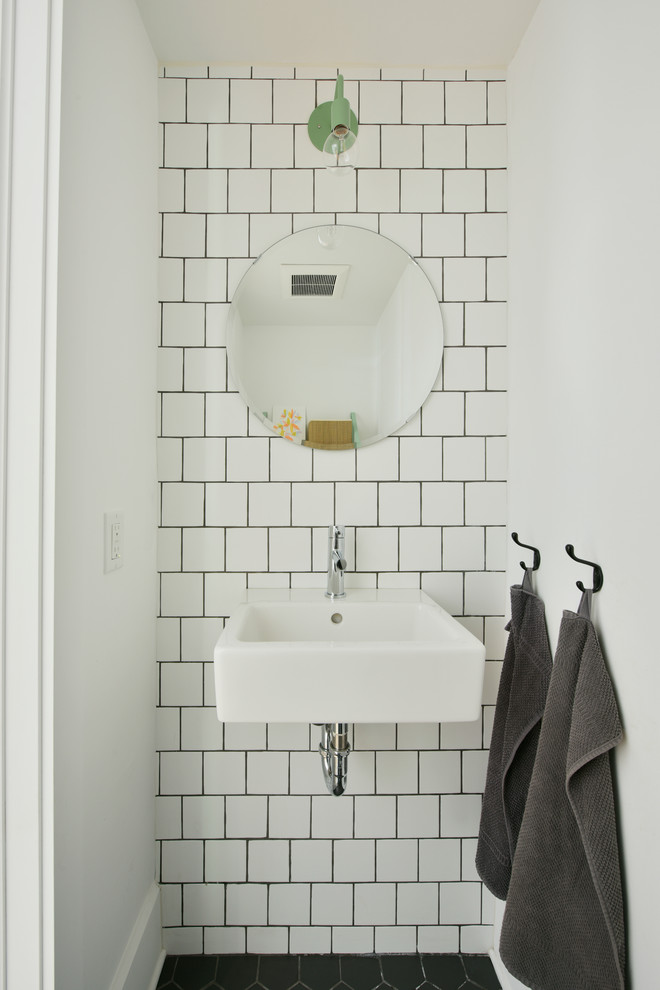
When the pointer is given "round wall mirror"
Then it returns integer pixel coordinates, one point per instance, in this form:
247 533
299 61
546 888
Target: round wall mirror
334 337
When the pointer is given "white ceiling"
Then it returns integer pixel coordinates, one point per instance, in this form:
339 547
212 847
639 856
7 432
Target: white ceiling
337 33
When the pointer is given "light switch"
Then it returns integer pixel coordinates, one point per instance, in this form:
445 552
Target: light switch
113 538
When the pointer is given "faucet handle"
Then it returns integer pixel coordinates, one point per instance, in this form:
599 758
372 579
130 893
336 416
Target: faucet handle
336 534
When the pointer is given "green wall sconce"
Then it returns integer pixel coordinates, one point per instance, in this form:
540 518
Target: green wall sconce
333 128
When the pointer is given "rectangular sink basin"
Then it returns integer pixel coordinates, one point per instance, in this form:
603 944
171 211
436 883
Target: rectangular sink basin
374 656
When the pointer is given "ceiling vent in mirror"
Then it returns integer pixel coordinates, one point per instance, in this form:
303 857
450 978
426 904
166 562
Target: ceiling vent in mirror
305 281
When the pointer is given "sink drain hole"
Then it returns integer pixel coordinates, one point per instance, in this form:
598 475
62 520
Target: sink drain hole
337 617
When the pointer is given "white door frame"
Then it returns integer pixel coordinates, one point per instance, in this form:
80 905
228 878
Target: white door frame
30 69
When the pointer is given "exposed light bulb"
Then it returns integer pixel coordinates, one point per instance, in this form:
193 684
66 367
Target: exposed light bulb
341 150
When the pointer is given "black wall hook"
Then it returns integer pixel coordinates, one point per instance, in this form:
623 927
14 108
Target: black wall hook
537 553
598 571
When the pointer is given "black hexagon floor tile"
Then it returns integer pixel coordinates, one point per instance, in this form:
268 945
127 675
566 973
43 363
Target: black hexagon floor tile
360 972
445 972
166 972
195 972
319 972
277 972
236 972
403 972
480 971
387 972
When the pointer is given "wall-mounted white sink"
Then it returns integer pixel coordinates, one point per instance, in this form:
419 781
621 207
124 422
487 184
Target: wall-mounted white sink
374 656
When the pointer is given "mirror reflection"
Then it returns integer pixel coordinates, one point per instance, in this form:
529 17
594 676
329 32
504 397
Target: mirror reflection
334 337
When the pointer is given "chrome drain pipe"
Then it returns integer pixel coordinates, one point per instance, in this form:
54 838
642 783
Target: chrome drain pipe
334 749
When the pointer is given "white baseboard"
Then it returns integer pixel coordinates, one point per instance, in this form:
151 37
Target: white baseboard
142 959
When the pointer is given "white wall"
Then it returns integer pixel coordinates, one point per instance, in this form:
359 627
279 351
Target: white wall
104 683
584 359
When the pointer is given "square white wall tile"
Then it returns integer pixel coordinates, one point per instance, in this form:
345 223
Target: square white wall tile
464 191
228 148
486 147
203 549
292 190
206 280
354 860
399 503
247 549
420 548
418 816
311 860
397 773
463 548
184 235
289 904
290 549
207 100
331 901
379 461
267 773
465 102
444 147
247 903
203 904
444 234
224 773
293 100
251 101
442 502
460 903
486 234
183 414
417 903
289 817
331 818
182 861
378 190
183 324
421 190
185 146
377 549
375 904
375 817
396 859
439 859
204 817
423 103
380 102
246 816
421 458
401 146
180 773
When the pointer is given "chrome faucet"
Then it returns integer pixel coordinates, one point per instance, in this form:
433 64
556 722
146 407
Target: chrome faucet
336 562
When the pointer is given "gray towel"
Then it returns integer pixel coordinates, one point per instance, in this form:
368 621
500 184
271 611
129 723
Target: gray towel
563 925
520 702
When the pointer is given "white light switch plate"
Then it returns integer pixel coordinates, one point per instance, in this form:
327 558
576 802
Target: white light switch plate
113 541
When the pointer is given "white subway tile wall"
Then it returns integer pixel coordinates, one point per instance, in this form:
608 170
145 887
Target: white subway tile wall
254 855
